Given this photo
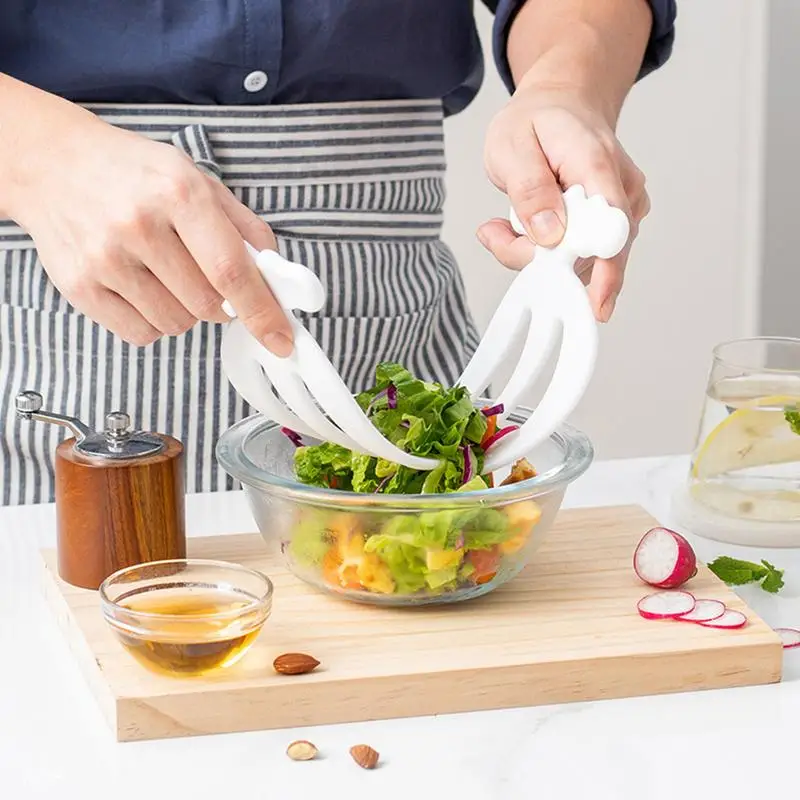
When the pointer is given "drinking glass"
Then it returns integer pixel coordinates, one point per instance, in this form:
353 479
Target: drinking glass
744 478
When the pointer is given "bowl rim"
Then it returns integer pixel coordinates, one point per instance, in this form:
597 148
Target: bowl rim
231 454
263 601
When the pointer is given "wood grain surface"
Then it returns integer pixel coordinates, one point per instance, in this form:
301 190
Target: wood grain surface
564 630
114 514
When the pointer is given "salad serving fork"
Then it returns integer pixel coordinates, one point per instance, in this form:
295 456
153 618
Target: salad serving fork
305 393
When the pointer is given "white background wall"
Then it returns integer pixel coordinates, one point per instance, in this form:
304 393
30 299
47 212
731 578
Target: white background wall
780 294
694 128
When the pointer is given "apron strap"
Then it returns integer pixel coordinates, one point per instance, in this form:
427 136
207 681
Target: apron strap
193 140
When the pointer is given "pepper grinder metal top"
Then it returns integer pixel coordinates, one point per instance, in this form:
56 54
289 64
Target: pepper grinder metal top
116 440
119 495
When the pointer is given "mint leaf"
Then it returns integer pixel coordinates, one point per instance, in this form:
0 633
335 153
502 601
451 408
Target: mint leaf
735 572
773 583
792 416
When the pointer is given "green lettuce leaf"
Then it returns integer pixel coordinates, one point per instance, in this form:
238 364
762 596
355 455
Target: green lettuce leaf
364 478
310 540
442 578
792 416
406 563
428 420
323 465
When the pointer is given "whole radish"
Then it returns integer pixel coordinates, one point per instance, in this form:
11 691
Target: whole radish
663 558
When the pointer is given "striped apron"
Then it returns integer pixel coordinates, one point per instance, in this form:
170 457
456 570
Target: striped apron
352 190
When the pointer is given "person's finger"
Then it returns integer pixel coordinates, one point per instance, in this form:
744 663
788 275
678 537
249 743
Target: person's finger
640 207
522 168
583 269
510 249
634 183
608 276
117 315
86 295
145 292
170 261
252 228
218 247
606 283
597 171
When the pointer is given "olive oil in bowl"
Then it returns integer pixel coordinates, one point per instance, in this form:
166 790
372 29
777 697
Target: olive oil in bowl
188 619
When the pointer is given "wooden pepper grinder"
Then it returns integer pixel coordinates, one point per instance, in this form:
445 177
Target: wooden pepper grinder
119 496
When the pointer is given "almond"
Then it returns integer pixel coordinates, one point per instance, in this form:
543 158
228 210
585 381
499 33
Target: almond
295 664
364 756
301 750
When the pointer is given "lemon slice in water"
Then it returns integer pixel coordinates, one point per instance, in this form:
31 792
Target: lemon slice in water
751 436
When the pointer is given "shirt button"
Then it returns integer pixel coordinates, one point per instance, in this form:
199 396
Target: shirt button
256 81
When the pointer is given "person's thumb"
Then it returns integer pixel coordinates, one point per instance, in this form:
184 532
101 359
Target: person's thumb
536 196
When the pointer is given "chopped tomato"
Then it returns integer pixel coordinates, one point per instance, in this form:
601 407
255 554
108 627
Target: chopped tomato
491 429
485 564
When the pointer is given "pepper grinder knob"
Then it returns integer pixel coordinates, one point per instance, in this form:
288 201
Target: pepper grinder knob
117 425
29 403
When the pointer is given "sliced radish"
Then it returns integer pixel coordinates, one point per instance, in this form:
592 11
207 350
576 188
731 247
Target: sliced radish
704 611
663 558
665 605
789 636
730 619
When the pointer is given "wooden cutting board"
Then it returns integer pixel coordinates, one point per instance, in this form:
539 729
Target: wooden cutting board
566 629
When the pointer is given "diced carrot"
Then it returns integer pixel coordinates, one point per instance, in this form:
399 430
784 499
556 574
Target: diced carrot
491 429
330 567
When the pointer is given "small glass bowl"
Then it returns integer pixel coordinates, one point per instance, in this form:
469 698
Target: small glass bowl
444 548
186 617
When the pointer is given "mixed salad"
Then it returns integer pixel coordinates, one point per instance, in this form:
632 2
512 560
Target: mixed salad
410 553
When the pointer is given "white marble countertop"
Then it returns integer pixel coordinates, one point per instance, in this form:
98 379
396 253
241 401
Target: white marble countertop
737 743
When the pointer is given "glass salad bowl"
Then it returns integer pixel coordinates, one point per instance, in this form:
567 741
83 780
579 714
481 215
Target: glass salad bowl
401 549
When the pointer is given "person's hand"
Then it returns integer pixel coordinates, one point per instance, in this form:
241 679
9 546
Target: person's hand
546 139
136 237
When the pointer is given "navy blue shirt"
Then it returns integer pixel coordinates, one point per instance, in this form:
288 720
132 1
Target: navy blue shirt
236 52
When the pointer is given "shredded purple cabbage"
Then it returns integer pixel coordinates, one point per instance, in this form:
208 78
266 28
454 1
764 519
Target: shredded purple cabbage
381 394
292 436
469 463
390 393
499 435
492 410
